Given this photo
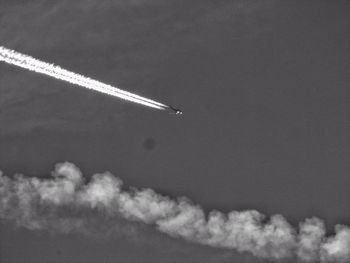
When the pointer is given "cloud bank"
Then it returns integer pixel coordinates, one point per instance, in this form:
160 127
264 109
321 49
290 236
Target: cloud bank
67 203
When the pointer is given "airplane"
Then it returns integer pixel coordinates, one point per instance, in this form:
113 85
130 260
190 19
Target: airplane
176 111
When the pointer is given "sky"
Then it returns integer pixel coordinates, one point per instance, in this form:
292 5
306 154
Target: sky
264 87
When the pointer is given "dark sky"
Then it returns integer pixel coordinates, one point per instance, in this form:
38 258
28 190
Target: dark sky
264 86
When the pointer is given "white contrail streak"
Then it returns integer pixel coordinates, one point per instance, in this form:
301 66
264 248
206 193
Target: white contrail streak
66 203
15 58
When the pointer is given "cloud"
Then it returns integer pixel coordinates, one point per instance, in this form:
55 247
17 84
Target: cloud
67 203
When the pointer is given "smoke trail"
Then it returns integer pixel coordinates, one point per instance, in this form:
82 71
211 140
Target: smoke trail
15 58
66 203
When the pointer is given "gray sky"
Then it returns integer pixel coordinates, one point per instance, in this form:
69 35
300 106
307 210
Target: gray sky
264 86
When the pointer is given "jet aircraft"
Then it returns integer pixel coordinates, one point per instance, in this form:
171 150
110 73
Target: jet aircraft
176 111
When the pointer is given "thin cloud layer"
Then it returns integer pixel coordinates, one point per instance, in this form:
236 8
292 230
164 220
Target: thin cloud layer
67 203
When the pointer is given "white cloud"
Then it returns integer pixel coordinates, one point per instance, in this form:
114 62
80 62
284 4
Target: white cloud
65 203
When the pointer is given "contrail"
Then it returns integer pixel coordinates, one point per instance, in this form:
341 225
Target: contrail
15 58
66 203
